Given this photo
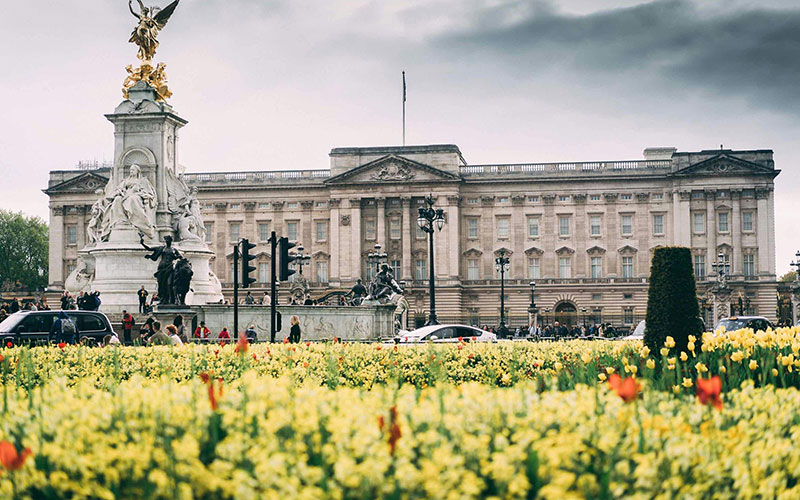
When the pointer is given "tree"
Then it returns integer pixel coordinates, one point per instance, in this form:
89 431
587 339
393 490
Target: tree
788 277
672 308
24 250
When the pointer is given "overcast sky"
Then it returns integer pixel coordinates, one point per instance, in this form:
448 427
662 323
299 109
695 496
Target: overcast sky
276 84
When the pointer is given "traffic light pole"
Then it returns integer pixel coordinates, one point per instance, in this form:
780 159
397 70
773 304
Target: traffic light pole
236 290
273 289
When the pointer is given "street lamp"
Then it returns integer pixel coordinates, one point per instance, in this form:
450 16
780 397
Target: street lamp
429 218
502 264
377 257
533 291
301 259
583 310
796 264
532 310
721 266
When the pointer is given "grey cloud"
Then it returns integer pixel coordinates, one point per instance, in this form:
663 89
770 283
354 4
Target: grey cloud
753 53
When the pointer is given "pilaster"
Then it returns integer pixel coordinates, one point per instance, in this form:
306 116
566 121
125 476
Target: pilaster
406 221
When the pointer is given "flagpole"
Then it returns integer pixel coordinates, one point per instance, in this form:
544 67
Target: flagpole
404 108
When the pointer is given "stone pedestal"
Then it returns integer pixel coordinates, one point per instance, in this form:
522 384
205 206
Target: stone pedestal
722 304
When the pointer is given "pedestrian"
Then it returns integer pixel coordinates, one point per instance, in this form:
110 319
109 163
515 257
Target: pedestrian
80 301
202 331
142 293
265 300
248 299
65 301
224 335
159 337
294 332
147 330
127 327
172 332
250 333
181 328
153 300
63 329
14 306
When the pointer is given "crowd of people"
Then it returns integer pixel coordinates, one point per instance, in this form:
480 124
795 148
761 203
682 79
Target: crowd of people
11 306
84 301
558 331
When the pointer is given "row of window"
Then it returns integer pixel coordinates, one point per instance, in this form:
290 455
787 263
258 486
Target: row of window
320 272
264 229
564 226
723 222
748 265
563 198
564 268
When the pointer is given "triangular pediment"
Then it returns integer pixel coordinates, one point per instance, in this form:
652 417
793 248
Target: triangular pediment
392 169
534 251
87 182
565 250
627 249
472 252
596 250
504 250
725 164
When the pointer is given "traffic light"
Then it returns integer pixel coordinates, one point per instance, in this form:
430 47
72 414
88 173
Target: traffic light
285 259
246 267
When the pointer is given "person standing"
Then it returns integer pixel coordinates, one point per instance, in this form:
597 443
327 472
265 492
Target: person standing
265 300
127 327
224 335
202 331
63 329
248 299
181 329
294 332
142 293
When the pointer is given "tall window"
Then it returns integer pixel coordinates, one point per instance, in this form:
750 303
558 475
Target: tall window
749 263
396 266
722 219
291 231
700 267
322 230
235 228
232 273
263 231
627 225
502 228
563 225
627 267
699 219
595 222
72 235
533 227
419 234
209 231
534 270
472 269
564 267
747 221
472 228
369 229
597 267
394 229
420 269
627 316
322 271
658 224
263 272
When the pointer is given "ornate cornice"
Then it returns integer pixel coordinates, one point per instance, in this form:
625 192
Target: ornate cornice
685 195
277 205
487 201
579 198
548 199
762 193
307 204
58 211
221 206
610 197
517 200
334 202
642 197
249 206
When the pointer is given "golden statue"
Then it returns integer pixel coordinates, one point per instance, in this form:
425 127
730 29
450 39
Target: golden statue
155 77
151 20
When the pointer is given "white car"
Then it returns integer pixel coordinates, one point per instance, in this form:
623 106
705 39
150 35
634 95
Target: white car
638 332
446 333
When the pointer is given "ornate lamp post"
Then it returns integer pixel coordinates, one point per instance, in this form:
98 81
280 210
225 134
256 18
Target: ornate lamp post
532 309
502 263
721 291
302 259
721 267
377 257
429 218
583 311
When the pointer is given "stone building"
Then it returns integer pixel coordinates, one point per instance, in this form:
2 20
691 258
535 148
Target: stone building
583 231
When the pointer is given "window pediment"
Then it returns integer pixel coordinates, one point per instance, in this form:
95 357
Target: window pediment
565 250
627 249
472 252
534 251
596 250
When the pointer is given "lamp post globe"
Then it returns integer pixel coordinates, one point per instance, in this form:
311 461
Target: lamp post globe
428 219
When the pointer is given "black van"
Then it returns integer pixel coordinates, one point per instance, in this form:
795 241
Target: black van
33 327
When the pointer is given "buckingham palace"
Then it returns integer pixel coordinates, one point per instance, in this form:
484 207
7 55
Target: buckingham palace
584 232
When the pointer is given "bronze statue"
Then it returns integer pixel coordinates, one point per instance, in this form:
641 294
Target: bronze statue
383 285
181 278
166 267
151 20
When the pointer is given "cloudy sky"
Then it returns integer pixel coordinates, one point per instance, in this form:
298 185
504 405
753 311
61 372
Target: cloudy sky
275 84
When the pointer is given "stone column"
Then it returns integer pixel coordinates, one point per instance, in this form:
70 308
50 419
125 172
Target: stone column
335 270
454 236
765 247
736 233
307 236
380 225
249 229
355 238
613 236
711 226
519 235
771 230
548 265
681 218
487 237
580 237
80 228
56 246
406 223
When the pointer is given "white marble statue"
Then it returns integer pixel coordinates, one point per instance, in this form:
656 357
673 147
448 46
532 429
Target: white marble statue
132 202
79 280
182 203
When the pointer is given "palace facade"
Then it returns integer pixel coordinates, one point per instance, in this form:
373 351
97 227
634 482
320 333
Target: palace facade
584 232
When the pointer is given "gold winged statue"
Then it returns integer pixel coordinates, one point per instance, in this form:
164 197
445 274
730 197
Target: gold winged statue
151 21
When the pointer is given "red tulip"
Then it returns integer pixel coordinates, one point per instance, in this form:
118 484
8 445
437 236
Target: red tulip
10 458
708 391
627 389
394 429
62 345
286 340
242 344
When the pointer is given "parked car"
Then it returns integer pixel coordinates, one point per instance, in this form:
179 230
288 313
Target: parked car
739 322
25 327
446 333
